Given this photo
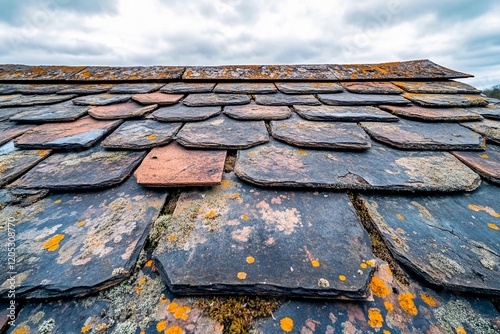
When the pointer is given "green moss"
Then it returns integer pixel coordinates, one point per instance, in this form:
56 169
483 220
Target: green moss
230 161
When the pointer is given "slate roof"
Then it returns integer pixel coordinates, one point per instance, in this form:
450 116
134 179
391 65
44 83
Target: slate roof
364 197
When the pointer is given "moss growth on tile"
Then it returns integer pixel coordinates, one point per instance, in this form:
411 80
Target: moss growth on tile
230 161
161 223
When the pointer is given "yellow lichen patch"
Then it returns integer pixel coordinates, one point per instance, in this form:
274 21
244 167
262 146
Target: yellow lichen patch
86 329
148 264
22 329
286 324
161 326
142 332
174 330
388 306
371 263
363 265
400 217
225 183
57 201
172 238
342 278
315 263
211 215
407 304
163 299
461 330
152 137
250 259
493 226
485 156
236 195
428 300
386 332
486 209
379 288
242 275
42 153
172 307
244 217
375 319
80 224
53 243
181 312
302 152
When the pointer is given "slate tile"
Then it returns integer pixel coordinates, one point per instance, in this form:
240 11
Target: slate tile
7 314
85 89
157 98
493 101
344 113
182 113
79 243
61 112
245 88
309 87
411 135
10 130
93 168
202 100
134 73
7 113
450 240
371 87
129 109
280 99
101 99
487 163
257 112
447 100
437 87
187 87
15 162
40 88
223 132
261 241
21 197
141 135
490 111
434 114
352 99
302 133
488 128
135 88
38 73
83 132
19 100
174 166
7 89
379 168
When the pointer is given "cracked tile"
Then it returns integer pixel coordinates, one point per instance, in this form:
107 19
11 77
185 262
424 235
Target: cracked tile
15 162
447 100
11 130
245 88
344 113
101 99
488 128
309 87
182 113
372 87
61 112
486 163
280 99
209 99
437 87
257 112
159 98
121 111
187 87
18 100
348 99
434 114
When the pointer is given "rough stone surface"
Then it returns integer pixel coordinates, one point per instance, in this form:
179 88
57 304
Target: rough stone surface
447 100
424 136
245 88
487 163
101 99
120 111
372 87
85 89
490 111
222 132
40 88
21 197
352 99
379 168
174 166
134 73
159 98
83 132
182 113
37 73
141 134
135 88
187 87
79 243
434 114
7 113
280 99
451 241
260 241
344 113
203 100
309 87
302 133
11 130
257 112
437 87
18 100
7 89
93 168
15 162
488 128
61 112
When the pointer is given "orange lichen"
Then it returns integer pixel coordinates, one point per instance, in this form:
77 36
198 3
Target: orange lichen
242 275
302 152
172 307
379 288
407 304
400 217
461 330
152 137
80 224
363 265
86 329
286 324
428 300
385 331
225 183
244 217
163 299
371 263
211 214
250 259
148 264
181 312
53 243
485 156
43 153
236 195
22 329
174 330
57 201
375 319
342 277
388 306
315 263
101 328
486 209
172 237
161 326
493 226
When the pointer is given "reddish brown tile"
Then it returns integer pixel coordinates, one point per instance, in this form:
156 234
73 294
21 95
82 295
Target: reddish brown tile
159 98
257 112
438 87
485 163
10 130
372 87
121 111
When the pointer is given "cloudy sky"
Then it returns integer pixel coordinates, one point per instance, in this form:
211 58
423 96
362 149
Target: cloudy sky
460 34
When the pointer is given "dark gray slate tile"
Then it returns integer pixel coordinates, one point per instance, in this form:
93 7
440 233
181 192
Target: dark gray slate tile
348 99
121 110
79 243
133 73
15 162
83 132
411 135
203 100
381 168
451 241
11 130
141 134
21 197
490 111
182 113
335 135
257 112
7 89
61 112
487 163
135 88
222 132
85 89
7 314
7 113
434 114
101 99
245 88
93 168
309 87
371 87
447 100
187 87
344 113
18 100
40 88
488 128
274 249
437 87
280 99
493 101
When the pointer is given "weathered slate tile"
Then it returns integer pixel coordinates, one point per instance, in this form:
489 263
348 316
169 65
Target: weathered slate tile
280 99
83 132
182 113
411 135
40 88
38 73
7 89
14 162
134 73
159 98
85 89
434 114
7 113
141 135
187 87
344 113
451 241
135 88
19 100
487 163
437 87
493 101
371 87
93 168
174 166
21 197
447 100
352 99
309 87
223 132
302 133
490 111
101 99
488 128
202 100
7 314
11 130
380 167
257 112
79 243
245 88
129 109
261 241
61 112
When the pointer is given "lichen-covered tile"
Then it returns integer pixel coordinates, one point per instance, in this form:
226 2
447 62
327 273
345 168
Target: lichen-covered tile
450 240
21 197
134 73
447 100
61 112
257 112
245 88
490 111
181 113
19 100
437 87
129 109
309 87
411 135
223 132
371 87
79 243
335 135
40 88
434 114
11 130
487 163
83 132
209 99
187 87
85 89
101 99
141 135
38 73
135 88
89 169
260 241
157 98
280 99
353 99
380 167
174 166
344 113
488 128
15 162
493 101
